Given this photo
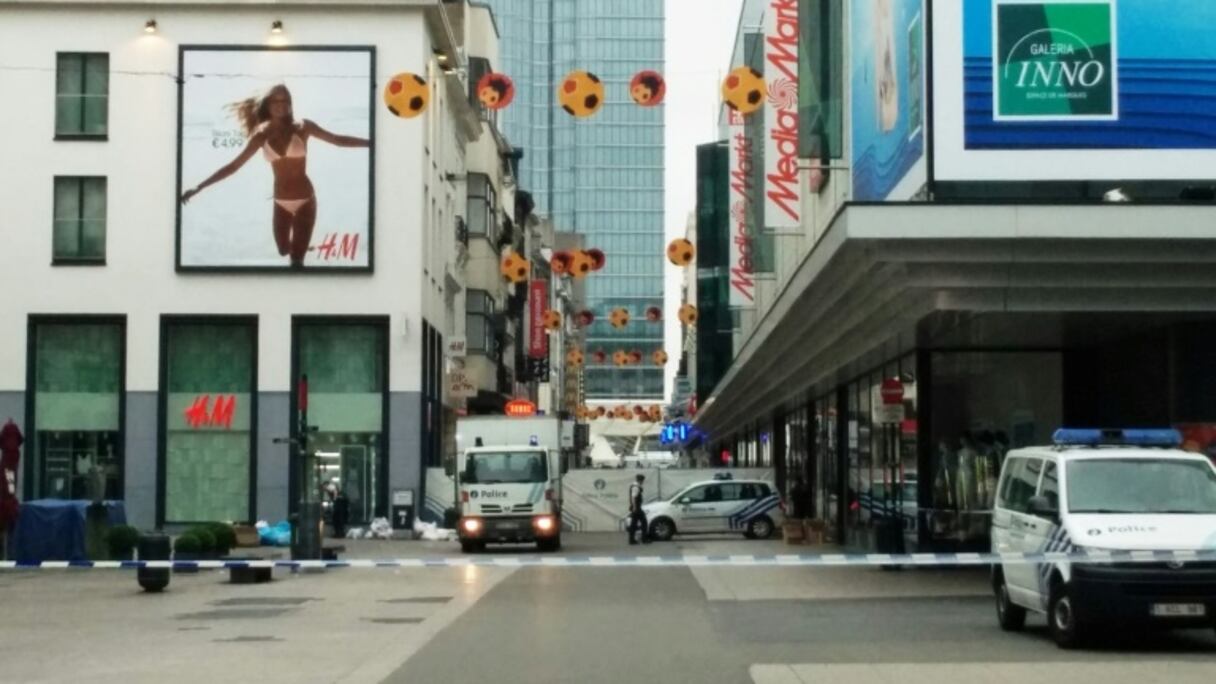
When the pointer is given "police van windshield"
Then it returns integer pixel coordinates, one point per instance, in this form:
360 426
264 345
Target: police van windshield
1139 486
505 467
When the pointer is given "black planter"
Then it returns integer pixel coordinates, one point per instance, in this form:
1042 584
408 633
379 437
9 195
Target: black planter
153 547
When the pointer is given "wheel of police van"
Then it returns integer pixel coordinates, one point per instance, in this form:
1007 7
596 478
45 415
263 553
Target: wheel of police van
662 529
472 546
760 528
1009 615
1067 630
549 545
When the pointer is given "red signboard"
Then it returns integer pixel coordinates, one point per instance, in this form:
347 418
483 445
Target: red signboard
202 413
538 301
892 392
520 408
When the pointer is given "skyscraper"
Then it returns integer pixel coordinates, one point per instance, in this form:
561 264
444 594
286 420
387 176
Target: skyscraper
600 176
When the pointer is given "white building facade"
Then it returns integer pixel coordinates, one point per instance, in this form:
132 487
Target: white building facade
165 342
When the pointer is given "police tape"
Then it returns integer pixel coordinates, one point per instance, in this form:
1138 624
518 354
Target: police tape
1171 559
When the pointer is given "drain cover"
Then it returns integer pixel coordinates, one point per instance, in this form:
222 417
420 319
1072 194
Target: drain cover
264 601
234 614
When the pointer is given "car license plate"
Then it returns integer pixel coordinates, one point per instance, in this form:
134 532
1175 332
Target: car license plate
1179 610
508 526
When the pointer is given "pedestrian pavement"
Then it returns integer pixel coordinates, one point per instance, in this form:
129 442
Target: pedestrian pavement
1122 672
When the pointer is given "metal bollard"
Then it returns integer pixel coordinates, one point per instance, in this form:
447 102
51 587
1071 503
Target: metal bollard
153 547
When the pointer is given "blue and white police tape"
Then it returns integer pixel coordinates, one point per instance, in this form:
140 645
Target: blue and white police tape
1170 558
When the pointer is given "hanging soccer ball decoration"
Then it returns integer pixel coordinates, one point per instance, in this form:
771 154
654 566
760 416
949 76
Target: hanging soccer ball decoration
495 91
598 260
599 356
635 357
574 357
581 94
620 358
580 264
647 88
688 314
619 318
743 90
515 268
552 320
681 252
654 314
584 318
659 357
406 95
560 262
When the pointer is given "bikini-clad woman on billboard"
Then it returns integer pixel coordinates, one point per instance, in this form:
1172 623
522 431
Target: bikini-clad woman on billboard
269 125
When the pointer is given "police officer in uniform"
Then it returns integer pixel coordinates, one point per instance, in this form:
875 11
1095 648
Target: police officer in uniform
637 517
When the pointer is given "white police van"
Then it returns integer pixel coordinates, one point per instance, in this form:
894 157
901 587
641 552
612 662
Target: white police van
1106 491
718 506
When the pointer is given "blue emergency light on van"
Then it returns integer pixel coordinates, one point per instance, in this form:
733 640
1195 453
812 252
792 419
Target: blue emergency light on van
1144 438
533 440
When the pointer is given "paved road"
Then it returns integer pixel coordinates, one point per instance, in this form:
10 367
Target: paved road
769 625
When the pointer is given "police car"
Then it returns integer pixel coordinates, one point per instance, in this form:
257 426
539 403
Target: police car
715 507
1103 491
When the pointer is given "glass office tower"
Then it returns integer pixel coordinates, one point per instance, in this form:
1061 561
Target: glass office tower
600 176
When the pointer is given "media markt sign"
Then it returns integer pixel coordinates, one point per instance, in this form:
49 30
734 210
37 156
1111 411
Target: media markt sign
1055 61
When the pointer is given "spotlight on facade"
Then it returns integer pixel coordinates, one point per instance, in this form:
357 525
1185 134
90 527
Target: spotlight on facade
150 26
276 27
1116 195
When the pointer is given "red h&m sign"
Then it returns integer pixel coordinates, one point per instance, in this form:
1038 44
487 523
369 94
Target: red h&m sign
202 413
538 301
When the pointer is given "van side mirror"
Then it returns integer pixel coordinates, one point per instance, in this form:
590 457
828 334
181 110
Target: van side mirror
1042 507
565 464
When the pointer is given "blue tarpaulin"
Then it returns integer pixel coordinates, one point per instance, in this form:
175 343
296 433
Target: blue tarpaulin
54 529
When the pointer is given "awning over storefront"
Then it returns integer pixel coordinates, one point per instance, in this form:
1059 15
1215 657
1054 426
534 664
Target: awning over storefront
886 279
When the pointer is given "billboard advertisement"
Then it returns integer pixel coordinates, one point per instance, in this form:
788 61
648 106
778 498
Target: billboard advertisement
741 167
782 192
888 82
274 158
1074 90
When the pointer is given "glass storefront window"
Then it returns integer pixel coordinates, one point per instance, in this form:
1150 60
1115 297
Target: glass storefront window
78 389
346 368
984 404
827 465
208 392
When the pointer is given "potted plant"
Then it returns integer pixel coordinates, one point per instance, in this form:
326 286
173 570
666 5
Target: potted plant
121 542
187 547
225 538
206 541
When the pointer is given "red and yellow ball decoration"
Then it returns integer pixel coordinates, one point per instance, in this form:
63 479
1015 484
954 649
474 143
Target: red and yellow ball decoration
654 314
688 314
619 318
584 318
552 320
647 88
574 358
743 90
681 252
495 91
514 267
659 357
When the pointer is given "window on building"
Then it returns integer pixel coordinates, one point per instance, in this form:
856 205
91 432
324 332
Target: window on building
208 393
482 201
77 369
821 79
479 328
82 91
79 231
346 365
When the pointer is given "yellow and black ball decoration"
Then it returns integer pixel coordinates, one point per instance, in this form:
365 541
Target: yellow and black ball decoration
514 268
743 90
574 358
619 318
659 357
688 314
581 94
620 358
581 264
552 320
681 252
407 95
656 414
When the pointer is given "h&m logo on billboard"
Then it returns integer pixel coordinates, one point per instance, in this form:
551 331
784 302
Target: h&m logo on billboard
1055 60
